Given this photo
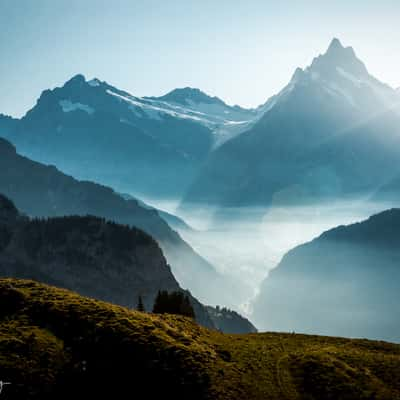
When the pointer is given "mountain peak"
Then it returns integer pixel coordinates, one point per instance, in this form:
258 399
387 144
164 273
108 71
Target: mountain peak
76 79
94 82
338 56
188 94
335 45
336 49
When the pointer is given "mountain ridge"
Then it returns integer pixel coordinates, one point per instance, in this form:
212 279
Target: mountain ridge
97 258
43 191
112 137
342 283
89 255
289 151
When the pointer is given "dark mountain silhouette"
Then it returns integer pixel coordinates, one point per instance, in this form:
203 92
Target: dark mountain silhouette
89 255
343 283
331 132
95 258
230 321
43 191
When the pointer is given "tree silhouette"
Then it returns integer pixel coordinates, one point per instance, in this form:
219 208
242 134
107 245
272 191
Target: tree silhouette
173 303
140 306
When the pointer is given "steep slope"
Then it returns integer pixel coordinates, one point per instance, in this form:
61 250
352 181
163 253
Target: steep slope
55 344
43 191
89 255
94 131
343 283
318 137
229 321
172 220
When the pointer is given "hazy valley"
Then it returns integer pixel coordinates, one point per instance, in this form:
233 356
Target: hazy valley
164 239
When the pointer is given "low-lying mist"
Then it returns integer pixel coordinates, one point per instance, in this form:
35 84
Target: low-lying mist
244 244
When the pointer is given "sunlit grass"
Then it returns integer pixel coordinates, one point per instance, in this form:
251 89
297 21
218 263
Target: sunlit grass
51 339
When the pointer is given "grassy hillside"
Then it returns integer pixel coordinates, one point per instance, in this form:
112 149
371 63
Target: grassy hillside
56 344
96 258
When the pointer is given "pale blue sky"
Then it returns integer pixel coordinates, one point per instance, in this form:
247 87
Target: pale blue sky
241 51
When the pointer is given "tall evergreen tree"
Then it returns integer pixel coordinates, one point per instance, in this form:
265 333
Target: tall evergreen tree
140 306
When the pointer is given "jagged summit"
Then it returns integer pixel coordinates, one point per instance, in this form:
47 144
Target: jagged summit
340 74
336 61
80 81
338 56
77 79
335 46
305 122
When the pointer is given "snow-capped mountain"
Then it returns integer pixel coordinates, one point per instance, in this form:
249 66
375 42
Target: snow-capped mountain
333 130
187 103
225 121
95 131
341 75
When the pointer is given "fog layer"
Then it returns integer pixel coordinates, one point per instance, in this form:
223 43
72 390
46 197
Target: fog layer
244 244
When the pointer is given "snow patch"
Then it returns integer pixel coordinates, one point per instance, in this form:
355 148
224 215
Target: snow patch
223 122
152 111
68 106
357 81
336 90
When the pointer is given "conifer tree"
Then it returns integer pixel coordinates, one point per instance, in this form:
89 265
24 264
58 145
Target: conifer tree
173 303
140 306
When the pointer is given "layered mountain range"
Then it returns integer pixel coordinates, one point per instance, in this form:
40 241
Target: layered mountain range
94 131
89 255
96 258
43 191
332 132
343 283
